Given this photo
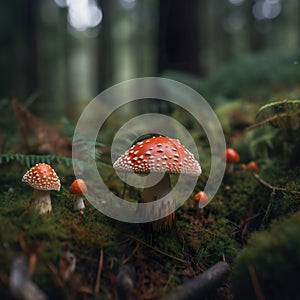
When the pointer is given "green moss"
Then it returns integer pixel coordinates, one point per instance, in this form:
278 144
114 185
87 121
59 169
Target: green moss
218 245
274 256
199 243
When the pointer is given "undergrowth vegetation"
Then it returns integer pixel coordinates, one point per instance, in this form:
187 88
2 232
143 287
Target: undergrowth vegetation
249 218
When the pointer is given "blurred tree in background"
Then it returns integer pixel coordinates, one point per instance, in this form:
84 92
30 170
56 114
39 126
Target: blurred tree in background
70 50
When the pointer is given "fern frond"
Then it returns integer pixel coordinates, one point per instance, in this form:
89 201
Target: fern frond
67 127
32 159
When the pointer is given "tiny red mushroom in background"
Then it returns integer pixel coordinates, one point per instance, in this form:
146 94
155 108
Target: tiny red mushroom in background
43 179
78 188
201 199
253 166
231 157
159 154
243 166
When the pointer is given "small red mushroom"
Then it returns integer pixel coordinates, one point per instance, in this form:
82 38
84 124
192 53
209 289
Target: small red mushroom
243 166
231 157
159 154
78 188
253 166
201 199
43 179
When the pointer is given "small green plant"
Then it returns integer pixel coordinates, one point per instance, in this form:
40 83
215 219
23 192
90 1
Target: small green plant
282 137
283 114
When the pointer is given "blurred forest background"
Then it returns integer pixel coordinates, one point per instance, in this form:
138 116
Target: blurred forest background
65 52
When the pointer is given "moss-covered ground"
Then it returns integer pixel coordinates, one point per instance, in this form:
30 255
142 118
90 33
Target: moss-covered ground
242 206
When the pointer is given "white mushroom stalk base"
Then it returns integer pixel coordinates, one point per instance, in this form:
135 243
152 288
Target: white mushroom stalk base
79 203
41 201
158 191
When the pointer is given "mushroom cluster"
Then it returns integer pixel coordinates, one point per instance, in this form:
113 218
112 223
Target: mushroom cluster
43 179
251 166
159 154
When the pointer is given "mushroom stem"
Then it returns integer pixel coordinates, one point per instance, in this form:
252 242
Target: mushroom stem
79 203
199 213
161 190
41 201
230 167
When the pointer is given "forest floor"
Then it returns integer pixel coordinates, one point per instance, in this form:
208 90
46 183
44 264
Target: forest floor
101 245
245 203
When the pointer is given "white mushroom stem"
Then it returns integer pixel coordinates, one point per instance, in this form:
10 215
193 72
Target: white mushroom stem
41 201
230 167
161 190
199 214
79 203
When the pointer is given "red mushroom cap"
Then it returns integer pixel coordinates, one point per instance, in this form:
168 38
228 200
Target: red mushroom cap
158 154
201 198
253 166
78 187
231 155
42 177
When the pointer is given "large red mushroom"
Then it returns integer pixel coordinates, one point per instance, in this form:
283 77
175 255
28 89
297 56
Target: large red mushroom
42 178
159 154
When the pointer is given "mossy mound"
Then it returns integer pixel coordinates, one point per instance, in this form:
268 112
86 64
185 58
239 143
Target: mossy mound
270 264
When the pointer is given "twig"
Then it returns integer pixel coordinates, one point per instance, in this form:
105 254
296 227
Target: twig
54 271
132 253
157 250
85 290
237 227
98 278
251 218
257 289
208 231
31 252
202 285
272 187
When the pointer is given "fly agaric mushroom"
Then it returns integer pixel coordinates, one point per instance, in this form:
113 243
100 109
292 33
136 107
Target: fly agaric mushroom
201 199
159 154
231 157
43 179
78 188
